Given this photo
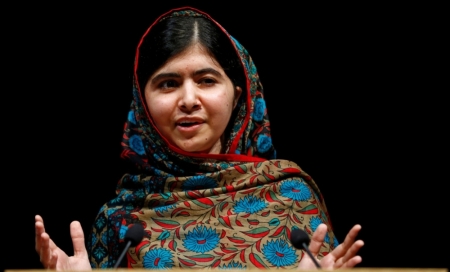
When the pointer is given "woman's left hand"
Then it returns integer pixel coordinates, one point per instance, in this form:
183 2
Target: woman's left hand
343 256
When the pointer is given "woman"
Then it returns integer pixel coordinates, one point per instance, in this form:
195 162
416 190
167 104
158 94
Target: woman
208 189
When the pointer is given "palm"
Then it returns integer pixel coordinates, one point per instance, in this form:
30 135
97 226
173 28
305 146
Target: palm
72 263
52 257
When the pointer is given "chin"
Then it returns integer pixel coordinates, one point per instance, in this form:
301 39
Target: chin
212 150
191 147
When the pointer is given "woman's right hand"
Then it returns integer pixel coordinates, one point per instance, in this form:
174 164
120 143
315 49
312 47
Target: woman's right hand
52 257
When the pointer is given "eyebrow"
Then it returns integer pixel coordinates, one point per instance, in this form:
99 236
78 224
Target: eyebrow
177 75
207 71
165 75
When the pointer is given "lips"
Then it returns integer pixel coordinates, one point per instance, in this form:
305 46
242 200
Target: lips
189 122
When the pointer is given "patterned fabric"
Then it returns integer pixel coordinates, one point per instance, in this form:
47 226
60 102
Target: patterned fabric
232 210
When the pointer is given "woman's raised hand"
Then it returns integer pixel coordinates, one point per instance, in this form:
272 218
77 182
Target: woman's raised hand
52 257
343 256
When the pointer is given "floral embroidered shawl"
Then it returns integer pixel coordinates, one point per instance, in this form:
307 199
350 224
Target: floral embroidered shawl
232 210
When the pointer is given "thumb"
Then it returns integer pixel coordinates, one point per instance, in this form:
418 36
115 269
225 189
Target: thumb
76 232
317 239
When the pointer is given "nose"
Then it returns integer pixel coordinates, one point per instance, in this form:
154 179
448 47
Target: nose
189 100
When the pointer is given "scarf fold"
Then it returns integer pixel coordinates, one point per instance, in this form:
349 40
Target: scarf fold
232 210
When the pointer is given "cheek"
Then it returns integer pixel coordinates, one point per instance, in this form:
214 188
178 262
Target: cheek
223 106
159 111
229 105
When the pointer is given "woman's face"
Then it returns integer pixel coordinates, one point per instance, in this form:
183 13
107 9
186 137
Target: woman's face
190 99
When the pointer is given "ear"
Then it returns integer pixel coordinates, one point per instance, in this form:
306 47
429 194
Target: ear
237 94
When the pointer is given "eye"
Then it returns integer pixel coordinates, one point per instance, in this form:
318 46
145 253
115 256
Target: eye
207 81
168 84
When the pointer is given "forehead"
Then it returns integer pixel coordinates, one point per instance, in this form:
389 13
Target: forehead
194 55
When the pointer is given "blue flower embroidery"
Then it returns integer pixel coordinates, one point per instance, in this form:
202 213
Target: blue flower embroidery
279 253
233 265
260 107
314 223
249 204
158 258
201 239
264 143
137 145
131 117
295 189
199 182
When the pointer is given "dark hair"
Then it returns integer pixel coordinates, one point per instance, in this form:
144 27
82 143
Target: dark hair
172 35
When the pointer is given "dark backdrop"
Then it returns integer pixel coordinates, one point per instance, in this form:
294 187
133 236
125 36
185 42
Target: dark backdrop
351 91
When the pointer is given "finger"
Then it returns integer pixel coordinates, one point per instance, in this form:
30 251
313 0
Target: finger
352 262
39 229
53 260
342 249
353 250
349 255
348 249
76 232
45 254
317 239
38 218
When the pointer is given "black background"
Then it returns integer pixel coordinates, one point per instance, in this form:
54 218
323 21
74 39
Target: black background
354 95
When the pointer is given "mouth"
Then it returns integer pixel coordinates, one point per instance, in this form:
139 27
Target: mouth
188 123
